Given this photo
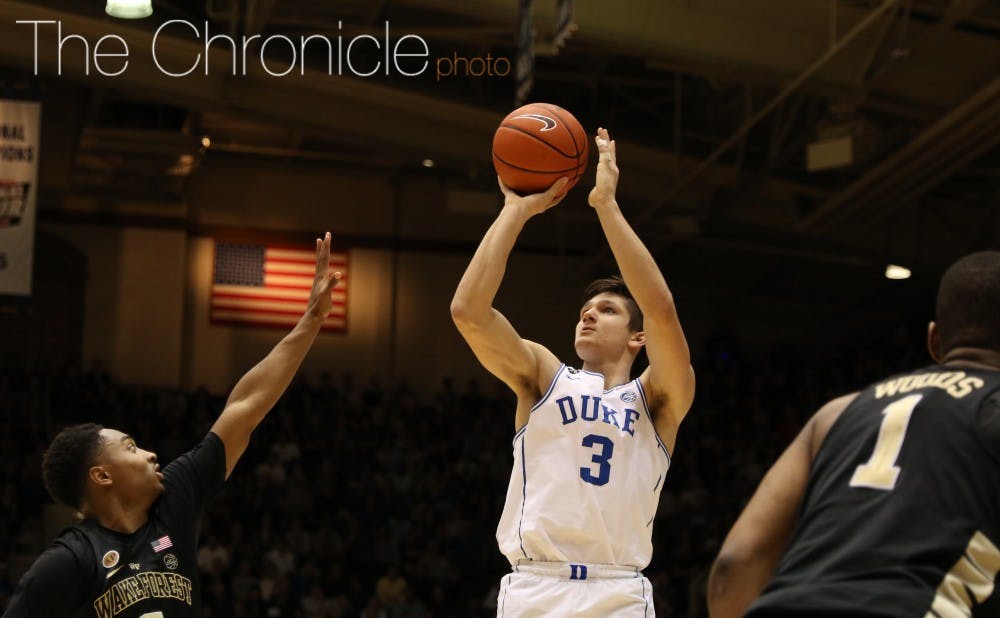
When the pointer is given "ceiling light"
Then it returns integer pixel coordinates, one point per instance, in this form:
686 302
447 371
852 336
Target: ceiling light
206 142
428 163
893 271
129 9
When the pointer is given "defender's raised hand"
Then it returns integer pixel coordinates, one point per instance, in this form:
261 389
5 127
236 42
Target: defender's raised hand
321 299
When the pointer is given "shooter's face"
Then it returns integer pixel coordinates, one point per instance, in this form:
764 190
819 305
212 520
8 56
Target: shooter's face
603 329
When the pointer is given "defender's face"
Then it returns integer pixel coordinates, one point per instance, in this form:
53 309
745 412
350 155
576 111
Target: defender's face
134 472
603 329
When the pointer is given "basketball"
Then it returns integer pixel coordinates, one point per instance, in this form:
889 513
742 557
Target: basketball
538 144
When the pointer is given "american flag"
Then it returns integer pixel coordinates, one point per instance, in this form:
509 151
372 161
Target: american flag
270 286
162 543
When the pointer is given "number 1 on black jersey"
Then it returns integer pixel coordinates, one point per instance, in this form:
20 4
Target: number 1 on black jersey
881 471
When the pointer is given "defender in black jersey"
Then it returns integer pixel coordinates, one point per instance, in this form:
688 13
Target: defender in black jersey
888 501
134 553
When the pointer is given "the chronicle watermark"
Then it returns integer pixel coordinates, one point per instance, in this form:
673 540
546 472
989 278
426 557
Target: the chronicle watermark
278 55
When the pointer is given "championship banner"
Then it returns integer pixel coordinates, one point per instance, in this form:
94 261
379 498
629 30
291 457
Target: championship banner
19 135
524 65
564 26
257 285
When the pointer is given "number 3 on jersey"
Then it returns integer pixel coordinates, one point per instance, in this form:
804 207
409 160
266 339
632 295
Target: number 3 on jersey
881 471
602 458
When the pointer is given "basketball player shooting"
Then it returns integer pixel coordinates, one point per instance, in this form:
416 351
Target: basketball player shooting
591 447
134 552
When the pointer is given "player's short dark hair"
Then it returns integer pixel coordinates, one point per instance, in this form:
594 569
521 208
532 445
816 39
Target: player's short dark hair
616 285
67 461
968 303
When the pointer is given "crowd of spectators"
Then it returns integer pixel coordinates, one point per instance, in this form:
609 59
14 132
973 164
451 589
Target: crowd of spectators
372 500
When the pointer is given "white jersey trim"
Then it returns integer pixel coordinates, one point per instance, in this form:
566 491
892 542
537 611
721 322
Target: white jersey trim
524 497
601 375
649 413
552 386
519 433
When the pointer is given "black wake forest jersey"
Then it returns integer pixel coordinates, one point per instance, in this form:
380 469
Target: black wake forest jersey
152 573
902 511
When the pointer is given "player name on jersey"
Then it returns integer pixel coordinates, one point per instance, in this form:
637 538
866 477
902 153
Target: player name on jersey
142 586
955 383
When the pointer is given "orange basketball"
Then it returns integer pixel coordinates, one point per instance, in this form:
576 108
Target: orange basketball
537 145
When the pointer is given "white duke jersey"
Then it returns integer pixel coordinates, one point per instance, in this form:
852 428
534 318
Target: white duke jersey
588 468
